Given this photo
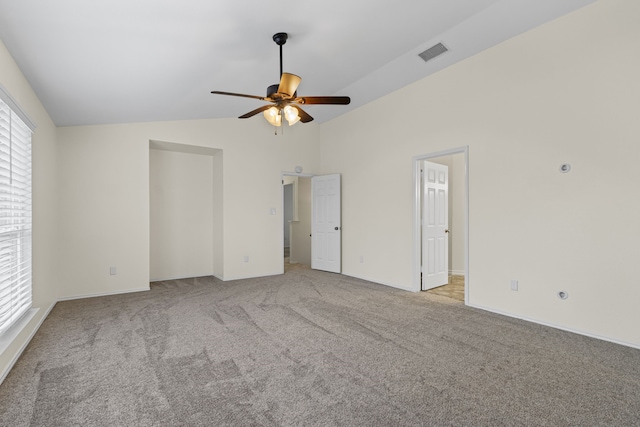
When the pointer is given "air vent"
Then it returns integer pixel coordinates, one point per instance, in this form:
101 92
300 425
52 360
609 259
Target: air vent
433 51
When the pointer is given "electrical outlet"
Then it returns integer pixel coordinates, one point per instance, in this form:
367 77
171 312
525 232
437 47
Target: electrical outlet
361 259
113 270
514 285
246 258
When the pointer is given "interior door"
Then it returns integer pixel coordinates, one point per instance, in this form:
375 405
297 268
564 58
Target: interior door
326 228
435 223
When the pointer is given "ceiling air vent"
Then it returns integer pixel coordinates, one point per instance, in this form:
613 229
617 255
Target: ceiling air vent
433 51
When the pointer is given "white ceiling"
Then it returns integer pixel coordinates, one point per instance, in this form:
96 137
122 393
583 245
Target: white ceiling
119 61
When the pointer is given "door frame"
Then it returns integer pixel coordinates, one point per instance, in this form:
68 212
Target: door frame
417 229
281 234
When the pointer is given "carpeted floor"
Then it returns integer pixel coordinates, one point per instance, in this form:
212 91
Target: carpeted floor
310 349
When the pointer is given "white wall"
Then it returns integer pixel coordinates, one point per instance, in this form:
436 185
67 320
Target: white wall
565 92
181 214
105 190
104 221
45 202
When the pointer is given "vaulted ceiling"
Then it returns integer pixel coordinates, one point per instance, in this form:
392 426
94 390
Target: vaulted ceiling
119 61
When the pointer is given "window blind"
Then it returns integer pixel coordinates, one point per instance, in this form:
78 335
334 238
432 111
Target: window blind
15 217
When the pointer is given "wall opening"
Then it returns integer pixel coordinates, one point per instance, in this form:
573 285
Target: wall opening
185 209
298 229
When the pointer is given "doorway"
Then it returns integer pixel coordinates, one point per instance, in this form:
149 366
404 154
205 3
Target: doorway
457 220
296 227
287 217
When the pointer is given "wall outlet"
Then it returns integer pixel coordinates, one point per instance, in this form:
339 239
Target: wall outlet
514 285
361 259
272 211
113 270
246 258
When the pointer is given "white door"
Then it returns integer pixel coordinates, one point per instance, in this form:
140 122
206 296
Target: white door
435 223
325 223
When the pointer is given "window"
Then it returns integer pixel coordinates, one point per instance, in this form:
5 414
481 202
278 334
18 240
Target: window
15 215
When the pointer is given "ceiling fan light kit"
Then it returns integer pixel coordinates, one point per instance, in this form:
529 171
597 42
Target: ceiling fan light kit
284 95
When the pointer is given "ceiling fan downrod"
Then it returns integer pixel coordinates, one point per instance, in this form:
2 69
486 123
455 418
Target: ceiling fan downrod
280 39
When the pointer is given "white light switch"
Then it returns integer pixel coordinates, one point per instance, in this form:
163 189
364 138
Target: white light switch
514 285
113 271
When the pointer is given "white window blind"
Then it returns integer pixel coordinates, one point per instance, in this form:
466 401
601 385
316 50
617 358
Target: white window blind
15 217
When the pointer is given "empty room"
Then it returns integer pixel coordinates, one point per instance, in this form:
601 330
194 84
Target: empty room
254 214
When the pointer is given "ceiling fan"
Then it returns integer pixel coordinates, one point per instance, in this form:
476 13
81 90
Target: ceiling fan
284 97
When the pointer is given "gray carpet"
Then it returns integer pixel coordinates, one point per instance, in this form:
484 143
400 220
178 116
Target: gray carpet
310 349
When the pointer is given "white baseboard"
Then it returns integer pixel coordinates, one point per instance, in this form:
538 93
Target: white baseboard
165 279
217 276
104 294
24 345
562 328
228 279
377 282
456 273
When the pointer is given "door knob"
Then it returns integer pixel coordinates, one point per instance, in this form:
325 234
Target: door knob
446 231
336 228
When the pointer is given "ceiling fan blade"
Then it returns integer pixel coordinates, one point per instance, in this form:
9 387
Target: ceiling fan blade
327 100
304 116
254 112
289 83
216 92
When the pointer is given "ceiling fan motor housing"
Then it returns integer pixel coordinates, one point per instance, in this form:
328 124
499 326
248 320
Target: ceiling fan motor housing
272 89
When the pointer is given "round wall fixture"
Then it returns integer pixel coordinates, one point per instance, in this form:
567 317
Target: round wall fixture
298 169
565 167
563 295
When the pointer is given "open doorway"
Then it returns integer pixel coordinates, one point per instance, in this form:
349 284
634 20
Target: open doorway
296 236
441 189
287 217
